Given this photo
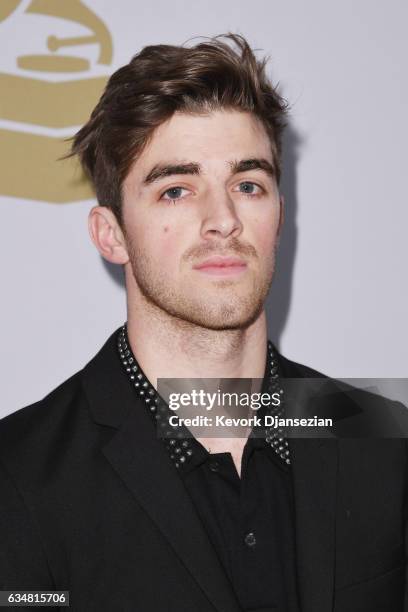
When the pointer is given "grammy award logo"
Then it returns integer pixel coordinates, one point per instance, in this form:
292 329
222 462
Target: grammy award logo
47 92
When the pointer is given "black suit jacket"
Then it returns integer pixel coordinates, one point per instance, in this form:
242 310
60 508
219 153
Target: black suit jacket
90 503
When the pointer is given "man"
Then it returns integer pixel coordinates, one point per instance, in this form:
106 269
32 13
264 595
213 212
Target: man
184 152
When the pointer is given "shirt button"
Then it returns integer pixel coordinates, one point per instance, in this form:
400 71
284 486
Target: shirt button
214 466
250 539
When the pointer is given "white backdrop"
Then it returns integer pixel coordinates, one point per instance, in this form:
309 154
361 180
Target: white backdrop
340 298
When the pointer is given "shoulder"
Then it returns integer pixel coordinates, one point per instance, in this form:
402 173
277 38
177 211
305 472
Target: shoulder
358 410
60 432
63 412
63 395
28 432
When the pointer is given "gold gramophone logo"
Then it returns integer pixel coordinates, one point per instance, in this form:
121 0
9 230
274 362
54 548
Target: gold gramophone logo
47 93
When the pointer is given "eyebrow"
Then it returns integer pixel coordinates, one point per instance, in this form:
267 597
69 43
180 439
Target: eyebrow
160 171
164 170
252 164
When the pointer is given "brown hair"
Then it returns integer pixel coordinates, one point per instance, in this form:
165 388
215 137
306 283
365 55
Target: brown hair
161 80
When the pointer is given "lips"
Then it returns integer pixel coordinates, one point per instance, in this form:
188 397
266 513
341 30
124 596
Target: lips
221 265
221 262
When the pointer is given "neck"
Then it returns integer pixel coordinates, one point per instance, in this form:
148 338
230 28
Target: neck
167 347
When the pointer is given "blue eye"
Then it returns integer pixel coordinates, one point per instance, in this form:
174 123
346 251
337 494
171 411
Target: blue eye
249 188
174 193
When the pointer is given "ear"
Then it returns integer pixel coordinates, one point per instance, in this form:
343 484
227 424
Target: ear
107 235
281 213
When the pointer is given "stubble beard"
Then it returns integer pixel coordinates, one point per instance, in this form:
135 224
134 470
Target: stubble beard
221 307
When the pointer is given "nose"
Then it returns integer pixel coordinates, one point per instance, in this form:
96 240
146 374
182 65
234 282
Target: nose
220 218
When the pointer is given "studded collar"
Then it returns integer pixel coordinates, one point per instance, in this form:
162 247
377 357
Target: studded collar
183 449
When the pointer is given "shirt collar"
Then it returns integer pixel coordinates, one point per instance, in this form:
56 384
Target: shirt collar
183 449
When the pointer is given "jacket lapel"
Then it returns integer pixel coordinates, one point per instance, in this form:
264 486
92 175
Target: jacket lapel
140 460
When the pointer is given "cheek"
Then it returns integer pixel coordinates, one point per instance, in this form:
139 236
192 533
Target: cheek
155 243
265 233
167 247
158 243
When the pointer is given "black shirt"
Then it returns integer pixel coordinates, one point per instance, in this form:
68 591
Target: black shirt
248 519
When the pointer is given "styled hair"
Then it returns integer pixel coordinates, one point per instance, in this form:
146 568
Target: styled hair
220 73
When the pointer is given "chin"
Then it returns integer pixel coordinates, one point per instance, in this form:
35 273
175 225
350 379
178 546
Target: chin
218 317
226 306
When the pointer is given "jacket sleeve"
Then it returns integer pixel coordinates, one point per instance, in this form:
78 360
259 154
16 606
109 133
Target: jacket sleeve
23 565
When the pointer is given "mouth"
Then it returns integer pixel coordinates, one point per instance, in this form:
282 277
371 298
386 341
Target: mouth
222 266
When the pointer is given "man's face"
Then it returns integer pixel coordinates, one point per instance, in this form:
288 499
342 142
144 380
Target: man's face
201 212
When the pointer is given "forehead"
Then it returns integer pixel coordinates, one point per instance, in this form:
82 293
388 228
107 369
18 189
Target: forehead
214 138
